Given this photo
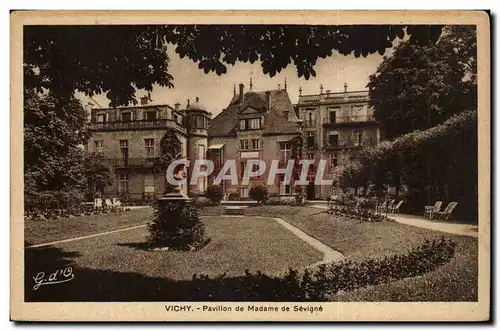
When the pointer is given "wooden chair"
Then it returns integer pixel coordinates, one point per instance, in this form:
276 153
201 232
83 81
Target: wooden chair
432 210
446 213
395 208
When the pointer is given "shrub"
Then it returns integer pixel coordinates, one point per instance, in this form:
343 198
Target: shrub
325 280
176 225
258 193
214 193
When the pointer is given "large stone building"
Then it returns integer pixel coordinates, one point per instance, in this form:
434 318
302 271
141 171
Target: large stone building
128 138
334 126
255 125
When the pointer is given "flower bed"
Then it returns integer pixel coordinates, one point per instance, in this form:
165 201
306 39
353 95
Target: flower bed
288 200
353 213
75 211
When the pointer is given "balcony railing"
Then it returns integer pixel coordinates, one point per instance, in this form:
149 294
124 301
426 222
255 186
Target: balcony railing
129 163
348 144
140 124
348 119
309 124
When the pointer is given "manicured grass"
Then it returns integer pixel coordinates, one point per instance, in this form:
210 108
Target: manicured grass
358 241
113 267
236 244
37 232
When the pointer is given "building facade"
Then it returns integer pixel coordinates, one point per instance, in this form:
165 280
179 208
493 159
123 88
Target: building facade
255 125
334 126
128 140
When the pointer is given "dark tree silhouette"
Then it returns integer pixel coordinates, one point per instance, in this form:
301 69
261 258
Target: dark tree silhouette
117 60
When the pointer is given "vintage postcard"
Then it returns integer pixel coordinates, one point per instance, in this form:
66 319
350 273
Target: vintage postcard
250 166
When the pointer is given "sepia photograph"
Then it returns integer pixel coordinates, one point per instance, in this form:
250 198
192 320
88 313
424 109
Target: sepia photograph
238 166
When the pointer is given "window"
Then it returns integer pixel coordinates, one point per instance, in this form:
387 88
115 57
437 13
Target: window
255 143
255 123
201 152
122 183
244 144
310 156
101 118
309 119
149 183
333 138
333 160
124 149
150 116
332 115
243 124
358 137
285 114
243 165
285 188
126 117
200 122
286 151
98 144
150 149
310 140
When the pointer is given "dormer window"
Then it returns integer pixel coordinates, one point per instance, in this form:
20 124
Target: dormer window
255 123
243 124
101 118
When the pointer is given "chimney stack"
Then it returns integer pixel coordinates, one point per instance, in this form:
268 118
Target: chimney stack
177 106
268 100
242 98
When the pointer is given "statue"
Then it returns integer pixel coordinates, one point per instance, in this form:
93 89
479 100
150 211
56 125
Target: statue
171 151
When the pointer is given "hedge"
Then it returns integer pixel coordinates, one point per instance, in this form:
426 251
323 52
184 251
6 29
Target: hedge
325 281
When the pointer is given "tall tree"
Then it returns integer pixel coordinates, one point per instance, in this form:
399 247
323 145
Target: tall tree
54 132
421 85
117 60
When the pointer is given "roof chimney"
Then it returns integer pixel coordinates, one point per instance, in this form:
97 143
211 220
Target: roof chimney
187 104
177 106
268 100
242 97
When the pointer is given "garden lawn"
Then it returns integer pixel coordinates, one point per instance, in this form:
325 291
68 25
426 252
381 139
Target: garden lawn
358 241
236 244
38 232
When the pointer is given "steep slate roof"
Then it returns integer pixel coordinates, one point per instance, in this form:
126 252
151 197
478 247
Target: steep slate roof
226 123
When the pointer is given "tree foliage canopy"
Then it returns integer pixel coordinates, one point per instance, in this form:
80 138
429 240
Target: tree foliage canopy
420 85
53 130
117 60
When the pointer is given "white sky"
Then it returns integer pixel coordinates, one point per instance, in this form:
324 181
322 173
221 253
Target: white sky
215 91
